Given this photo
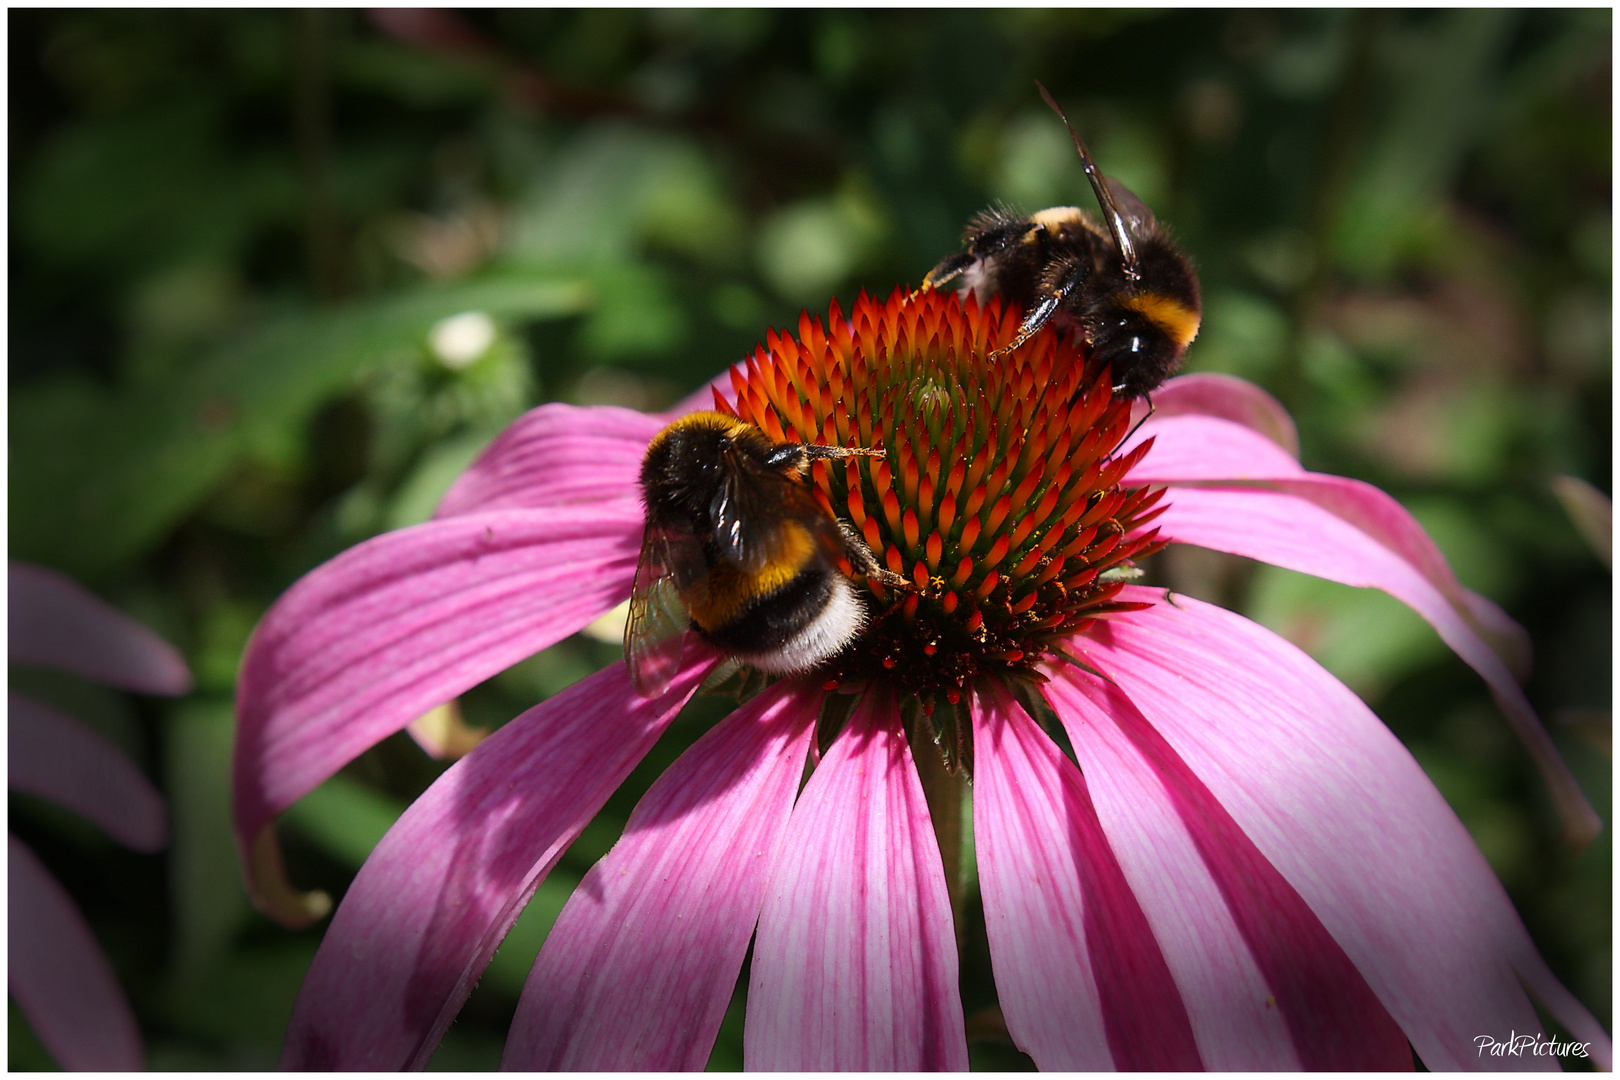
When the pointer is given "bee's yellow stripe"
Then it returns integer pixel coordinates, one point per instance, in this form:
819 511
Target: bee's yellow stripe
726 589
1167 313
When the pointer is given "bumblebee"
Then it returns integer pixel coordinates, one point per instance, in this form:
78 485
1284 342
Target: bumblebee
737 548
1121 282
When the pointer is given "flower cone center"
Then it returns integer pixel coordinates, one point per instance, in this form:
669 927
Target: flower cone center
999 497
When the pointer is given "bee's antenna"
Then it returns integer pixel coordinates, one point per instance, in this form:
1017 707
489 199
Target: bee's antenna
1116 221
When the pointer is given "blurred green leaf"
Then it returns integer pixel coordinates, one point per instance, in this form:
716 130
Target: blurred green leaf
1441 94
344 818
244 1003
127 466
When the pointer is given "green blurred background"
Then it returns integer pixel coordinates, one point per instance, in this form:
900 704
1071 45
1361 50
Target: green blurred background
235 235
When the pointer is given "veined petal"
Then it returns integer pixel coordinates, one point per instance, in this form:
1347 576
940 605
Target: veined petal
58 976
555 455
639 968
428 908
1334 802
1228 1001
1229 398
1061 918
55 757
55 622
855 960
1286 530
404 622
1191 449
1266 985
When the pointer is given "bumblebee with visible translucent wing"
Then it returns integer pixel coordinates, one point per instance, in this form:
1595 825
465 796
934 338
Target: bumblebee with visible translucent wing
738 549
1120 280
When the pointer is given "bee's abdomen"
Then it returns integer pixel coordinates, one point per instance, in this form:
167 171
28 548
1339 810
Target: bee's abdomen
764 623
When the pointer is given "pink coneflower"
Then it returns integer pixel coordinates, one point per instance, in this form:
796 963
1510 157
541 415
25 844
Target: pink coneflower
1240 868
56 971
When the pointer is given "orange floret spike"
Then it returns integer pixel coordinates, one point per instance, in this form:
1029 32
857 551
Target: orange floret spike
871 534
998 551
856 505
1021 531
970 533
998 513
975 501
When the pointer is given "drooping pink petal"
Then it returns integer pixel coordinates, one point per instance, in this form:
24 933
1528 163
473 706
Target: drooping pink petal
1229 398
1334 802
55 757
1192 449
555 455
1288 531
1265 984
1081 980
58 975
855 961
639 968
433 901
55 622
404 622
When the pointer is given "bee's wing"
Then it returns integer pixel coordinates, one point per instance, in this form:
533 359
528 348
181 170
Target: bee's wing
750 507
655 633
1137 217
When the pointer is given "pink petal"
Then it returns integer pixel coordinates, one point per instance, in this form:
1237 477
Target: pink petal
1061 917
1265 984
1192 448
1334 802
1189 449
855 958
58 976
556 455
1286 530
406 621
1224 990
55 757
639 968
433 901
55 622
1229 398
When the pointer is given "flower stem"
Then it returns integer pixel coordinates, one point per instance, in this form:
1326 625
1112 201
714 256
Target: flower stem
943 790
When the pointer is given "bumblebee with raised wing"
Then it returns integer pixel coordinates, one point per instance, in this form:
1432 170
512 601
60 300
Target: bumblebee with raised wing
738 549
1121 282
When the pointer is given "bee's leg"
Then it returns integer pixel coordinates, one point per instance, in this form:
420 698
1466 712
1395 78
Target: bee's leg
1137 407
794 458
1064 281
867 563
948 270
